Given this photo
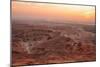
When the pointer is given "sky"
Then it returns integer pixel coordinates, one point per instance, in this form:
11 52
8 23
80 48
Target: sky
54 12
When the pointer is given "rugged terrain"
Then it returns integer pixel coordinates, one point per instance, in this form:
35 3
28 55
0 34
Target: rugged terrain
52 43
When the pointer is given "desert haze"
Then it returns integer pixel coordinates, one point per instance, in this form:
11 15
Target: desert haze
53 12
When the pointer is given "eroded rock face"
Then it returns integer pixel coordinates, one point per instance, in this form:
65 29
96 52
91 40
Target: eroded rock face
43 45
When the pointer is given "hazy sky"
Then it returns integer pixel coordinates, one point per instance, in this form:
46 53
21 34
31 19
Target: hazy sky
54 12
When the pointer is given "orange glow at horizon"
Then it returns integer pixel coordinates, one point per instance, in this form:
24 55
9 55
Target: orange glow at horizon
75 13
